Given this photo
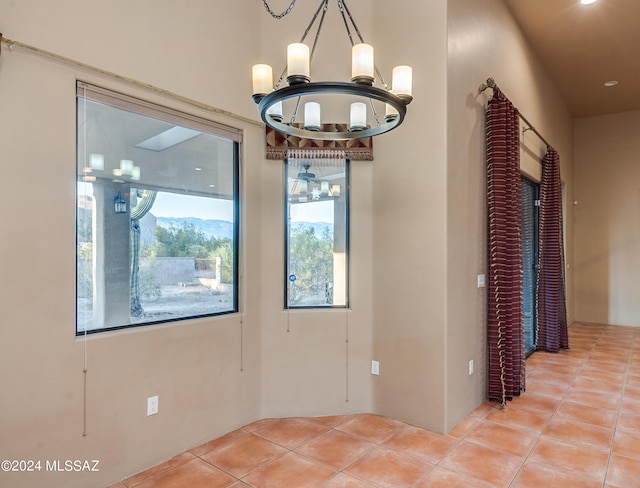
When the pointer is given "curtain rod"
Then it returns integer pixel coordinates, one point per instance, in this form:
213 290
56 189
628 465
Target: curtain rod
491 83
11 44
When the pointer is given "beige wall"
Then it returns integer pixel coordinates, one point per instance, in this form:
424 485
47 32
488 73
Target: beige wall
308 367
607 219
417 232
195 366
410 221
211 375
484 41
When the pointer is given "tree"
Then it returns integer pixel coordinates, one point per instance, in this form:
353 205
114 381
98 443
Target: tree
311 261
185 241
223 250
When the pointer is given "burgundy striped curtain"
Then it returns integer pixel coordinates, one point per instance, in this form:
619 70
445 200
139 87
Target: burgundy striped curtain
505 322
551 300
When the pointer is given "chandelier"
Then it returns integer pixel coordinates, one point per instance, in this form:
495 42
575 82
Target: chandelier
363 101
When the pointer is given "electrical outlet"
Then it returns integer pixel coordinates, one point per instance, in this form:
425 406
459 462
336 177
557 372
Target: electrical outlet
152 405
470 367
480 281
375 367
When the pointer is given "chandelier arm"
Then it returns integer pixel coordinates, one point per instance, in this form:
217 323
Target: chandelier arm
320 24
323 4
353 22
346 24
384 83
343 4
295 111
374 112
284 71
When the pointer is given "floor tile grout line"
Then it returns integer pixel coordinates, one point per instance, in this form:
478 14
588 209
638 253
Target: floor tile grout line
575 376
539 435
604 337
615 427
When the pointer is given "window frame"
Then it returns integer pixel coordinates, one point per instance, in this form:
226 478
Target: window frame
154 110
347 230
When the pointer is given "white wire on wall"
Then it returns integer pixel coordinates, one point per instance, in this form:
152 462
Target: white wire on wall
62 59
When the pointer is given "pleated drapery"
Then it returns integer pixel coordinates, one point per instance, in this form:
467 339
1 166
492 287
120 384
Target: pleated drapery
551 299
505 323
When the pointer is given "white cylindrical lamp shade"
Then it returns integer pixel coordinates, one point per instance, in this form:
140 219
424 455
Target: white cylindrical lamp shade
358 116
298 63
402 81
275 111
390 113
312 116
362 66
262 79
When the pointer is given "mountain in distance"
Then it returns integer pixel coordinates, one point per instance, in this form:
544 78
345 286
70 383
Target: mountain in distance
221 229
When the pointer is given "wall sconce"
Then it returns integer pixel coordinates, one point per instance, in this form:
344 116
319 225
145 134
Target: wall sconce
119 204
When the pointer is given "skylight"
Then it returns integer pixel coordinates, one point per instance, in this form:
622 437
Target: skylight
168 138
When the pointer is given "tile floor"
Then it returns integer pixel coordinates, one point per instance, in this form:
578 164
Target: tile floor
577 425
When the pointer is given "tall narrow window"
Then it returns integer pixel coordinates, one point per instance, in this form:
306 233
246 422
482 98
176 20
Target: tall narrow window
317 232
157 214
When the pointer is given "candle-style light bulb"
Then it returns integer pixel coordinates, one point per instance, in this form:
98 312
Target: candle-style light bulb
298 63
312 116
402 82
362 65
275 111
390 113
262 81
358 117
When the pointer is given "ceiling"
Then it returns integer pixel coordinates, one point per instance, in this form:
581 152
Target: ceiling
584 46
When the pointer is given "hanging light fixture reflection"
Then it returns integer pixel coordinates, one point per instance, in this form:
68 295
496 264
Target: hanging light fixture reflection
363 76
307 186
96 162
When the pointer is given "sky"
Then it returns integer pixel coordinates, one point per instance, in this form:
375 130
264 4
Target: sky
321 211
175 205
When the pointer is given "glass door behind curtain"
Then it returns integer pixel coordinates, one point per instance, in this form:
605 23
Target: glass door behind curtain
530 206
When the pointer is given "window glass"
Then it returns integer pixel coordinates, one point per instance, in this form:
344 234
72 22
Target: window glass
317 233
157 215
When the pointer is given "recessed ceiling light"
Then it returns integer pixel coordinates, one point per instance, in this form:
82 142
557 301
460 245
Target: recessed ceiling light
212 186
611 83
587 2
198 169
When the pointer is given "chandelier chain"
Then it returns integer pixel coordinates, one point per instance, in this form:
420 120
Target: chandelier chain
283 14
